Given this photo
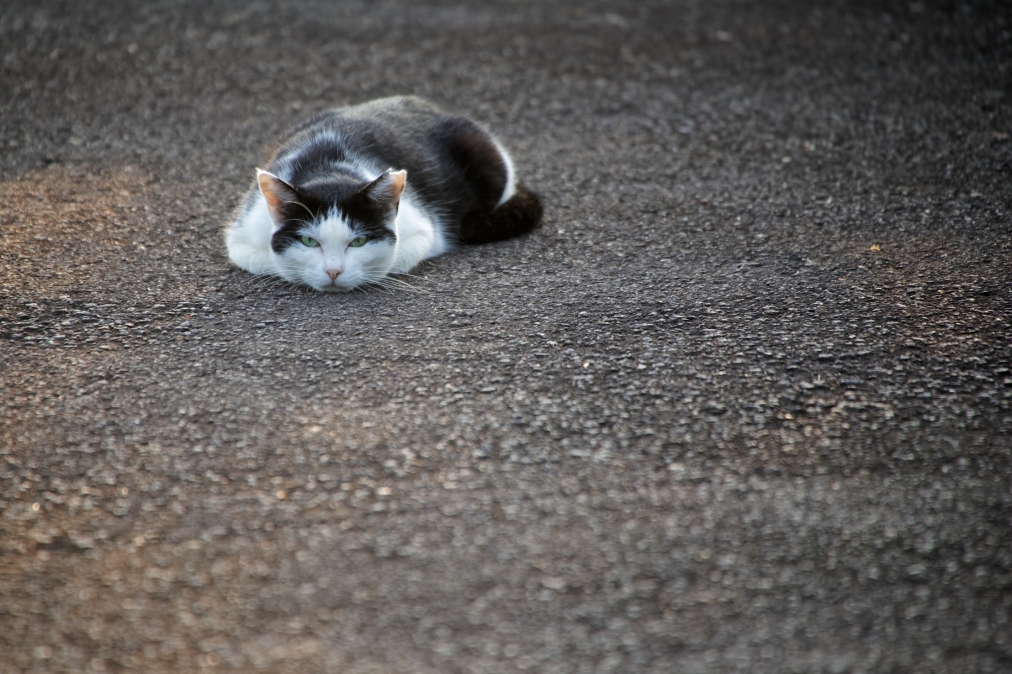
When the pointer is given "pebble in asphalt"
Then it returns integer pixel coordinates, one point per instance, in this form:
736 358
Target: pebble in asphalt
742 404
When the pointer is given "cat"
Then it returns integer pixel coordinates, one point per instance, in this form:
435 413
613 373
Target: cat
356 194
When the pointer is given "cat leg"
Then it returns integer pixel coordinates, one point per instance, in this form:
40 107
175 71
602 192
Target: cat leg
411 250
249 237
252 259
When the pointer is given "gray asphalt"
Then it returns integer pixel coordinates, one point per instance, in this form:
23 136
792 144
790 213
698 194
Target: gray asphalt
741 404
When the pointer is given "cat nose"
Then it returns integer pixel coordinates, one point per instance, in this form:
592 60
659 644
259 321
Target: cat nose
333 274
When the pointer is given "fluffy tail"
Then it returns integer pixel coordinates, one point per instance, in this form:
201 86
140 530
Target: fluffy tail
519 215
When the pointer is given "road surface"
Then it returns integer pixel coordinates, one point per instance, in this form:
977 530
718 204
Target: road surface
741 404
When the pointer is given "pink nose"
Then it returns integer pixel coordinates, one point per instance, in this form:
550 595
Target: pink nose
333 274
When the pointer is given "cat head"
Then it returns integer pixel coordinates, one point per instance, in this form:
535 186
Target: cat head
334 234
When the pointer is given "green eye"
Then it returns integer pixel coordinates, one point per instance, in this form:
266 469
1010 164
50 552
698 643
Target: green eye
309 241
358 241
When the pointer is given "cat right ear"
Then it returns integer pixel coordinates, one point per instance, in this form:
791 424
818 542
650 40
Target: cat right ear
387 189
276 193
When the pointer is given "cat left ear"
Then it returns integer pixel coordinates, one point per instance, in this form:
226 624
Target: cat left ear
276 193
387 189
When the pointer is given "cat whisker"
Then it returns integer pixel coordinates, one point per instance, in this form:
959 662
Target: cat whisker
312 216
409 287
398 284
416 277
390 284
255 283
261 282
375 285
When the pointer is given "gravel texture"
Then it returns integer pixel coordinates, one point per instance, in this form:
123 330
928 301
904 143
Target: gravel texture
741 404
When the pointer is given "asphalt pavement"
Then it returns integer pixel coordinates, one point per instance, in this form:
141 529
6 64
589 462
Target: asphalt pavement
742 403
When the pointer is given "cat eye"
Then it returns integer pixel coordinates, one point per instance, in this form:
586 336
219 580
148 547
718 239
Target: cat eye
309 241
358 241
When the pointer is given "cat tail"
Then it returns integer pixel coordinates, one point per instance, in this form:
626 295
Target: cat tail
518 215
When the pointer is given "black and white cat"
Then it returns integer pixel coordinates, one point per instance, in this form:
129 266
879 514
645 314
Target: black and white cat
358 193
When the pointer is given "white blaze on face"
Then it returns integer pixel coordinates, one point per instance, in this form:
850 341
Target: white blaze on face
334 264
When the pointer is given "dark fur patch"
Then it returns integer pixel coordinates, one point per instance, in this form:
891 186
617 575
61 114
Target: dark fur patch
368 215
477 158
519 215
316 199
295 214
315 159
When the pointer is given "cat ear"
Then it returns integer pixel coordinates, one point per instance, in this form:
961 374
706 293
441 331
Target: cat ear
387 189
276 193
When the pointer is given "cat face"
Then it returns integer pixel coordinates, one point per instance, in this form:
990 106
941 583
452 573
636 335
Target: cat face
331 255
333 236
